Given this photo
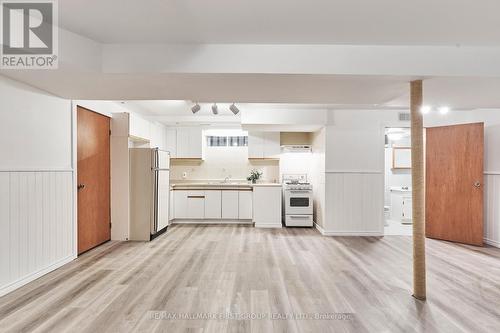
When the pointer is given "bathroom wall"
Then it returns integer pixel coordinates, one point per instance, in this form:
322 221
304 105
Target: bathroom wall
395 177
221 162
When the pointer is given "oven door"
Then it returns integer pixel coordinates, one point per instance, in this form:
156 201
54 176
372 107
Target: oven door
298 202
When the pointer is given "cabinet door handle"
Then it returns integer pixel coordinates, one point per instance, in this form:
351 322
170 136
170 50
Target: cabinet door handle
196 197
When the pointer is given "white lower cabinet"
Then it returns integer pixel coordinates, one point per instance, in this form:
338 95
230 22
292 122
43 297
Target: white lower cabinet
171 214
180 204
196 204
267 206
230 204
189 204
245 205
213 204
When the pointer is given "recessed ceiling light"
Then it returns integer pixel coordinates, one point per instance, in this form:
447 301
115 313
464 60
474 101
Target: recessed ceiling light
196 108
444 110
214 109
234 109
425 109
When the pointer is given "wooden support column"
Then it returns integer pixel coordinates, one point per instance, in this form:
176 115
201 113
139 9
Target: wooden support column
418 189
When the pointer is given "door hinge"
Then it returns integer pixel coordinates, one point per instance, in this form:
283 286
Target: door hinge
109 132
109 225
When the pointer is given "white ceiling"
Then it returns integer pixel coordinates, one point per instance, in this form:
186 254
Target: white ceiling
338 76
423 22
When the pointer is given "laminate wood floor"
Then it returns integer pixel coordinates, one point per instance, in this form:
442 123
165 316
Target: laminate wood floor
184 279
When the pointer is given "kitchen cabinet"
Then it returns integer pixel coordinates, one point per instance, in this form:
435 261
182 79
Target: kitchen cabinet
171 214
189 142
171 141
213 204
267 206
189 204
272 146
139 127
180 204
245 205
255 145
196 204
157 136
263 144
230 204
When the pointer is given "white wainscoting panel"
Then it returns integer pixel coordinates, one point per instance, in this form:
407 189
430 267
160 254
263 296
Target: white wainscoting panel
354 203
36 225
492 209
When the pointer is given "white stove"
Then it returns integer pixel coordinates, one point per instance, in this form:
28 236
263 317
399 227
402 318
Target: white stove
298 201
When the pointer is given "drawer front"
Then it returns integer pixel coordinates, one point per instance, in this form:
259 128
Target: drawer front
299 220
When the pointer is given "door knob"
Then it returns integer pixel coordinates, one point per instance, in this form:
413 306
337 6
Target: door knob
477 184
80 186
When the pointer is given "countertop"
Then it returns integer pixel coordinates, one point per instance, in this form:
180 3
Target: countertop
219 185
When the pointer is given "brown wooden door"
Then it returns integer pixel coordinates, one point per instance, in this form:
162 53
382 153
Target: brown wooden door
93 156
454 183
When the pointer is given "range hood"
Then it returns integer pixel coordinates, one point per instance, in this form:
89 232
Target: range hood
296 148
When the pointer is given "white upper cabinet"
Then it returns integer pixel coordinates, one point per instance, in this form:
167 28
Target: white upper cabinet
189 142
158 136
139 127
171 141
272 146
255 145
263 144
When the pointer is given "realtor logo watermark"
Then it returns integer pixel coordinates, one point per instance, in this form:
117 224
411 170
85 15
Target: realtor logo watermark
29 36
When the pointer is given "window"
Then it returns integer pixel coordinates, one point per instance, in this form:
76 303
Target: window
216 141
238 141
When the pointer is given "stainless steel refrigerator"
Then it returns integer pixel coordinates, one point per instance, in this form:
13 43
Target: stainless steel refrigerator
149 192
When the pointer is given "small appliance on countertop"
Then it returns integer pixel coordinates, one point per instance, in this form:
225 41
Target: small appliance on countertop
298 200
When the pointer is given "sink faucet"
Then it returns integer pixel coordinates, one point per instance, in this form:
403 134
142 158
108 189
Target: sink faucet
227 179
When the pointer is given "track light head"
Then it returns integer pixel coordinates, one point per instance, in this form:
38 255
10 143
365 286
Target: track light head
234 109
196 108
215 110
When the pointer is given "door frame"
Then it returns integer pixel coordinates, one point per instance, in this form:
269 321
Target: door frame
93 106
384 126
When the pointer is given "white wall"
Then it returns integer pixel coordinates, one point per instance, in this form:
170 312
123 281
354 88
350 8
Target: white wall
354 180
354 168
36 129
317 176
37 229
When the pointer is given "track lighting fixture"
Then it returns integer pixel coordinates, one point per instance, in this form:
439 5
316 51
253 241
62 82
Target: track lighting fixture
196 108
234 109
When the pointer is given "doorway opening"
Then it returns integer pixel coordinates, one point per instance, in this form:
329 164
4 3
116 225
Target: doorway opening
397 182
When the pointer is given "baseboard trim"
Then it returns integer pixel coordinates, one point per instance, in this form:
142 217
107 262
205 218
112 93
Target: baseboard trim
4 290
214 221
492 242
348 233
268 225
